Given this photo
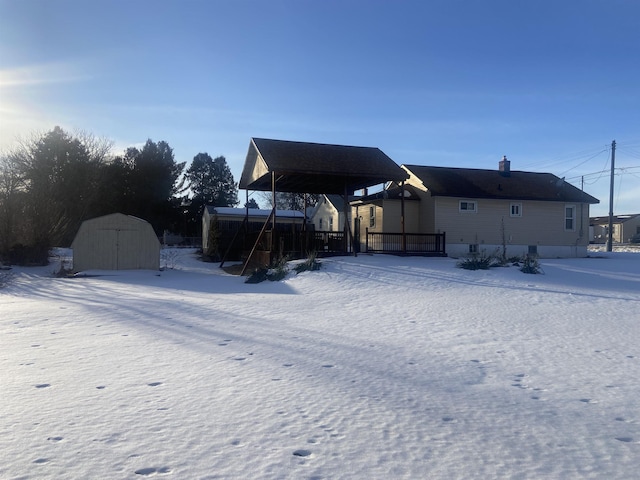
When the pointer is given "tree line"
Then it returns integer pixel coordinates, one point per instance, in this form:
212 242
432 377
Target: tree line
52 182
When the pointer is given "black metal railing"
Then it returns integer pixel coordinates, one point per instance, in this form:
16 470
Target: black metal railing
407 243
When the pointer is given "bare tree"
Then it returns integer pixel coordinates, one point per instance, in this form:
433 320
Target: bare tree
59 173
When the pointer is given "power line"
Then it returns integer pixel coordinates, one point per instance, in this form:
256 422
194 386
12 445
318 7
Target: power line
618 171
583 162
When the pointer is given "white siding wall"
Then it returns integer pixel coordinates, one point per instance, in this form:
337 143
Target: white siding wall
541 224
325 211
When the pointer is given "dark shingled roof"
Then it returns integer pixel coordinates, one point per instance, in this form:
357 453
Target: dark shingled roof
515 185
304 167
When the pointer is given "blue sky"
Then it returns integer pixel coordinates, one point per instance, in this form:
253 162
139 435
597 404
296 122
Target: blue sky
455 83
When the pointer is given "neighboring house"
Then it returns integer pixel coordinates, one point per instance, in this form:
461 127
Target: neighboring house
624 227
220 225
328 214
488 210
115 242
381 212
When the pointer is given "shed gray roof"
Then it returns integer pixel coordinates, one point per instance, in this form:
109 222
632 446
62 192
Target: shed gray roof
479 183
616 218
253 212
304 167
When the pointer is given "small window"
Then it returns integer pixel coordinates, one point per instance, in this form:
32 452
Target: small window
570 217
473 248
331 224
533 250
467 206
320 224
372 216
516 210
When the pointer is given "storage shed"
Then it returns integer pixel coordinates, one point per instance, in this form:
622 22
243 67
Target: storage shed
116 242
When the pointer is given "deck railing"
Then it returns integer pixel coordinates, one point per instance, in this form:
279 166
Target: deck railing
407 243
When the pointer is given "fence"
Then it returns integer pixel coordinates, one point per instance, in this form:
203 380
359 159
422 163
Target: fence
407 243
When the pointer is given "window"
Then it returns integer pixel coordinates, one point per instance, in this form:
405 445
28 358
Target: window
473 248
331 224
467 206
320 224
515 210
372 216
570 217
532 250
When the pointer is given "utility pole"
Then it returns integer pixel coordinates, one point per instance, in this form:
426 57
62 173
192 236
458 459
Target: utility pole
610 232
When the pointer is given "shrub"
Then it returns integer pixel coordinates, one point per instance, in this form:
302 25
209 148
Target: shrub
64 269
476 261
257 276
169 259
277 271
530 265
310 264
29 255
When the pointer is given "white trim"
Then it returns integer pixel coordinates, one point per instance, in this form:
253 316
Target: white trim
518 208
573 217
467 203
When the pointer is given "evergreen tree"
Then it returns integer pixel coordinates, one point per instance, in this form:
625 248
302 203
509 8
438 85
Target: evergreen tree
251 204
145 183
211 182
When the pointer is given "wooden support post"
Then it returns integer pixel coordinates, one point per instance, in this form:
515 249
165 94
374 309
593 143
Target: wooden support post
273 212
404 235
348 236
255 246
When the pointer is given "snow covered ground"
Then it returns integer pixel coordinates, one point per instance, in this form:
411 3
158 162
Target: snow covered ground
374 367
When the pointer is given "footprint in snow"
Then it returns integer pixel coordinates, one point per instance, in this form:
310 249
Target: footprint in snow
302 453
624 439
152 471
43 385
154 384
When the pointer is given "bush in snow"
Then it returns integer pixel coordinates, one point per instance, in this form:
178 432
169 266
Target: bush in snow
530 265
277 271
310 264
169 259
477 261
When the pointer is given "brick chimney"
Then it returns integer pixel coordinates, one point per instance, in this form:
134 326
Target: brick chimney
504 166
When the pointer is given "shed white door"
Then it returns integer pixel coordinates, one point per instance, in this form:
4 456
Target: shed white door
116 249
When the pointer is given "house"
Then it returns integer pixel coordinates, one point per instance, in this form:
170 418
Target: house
221 224
328 214
115 242
495 210
381 212
624 227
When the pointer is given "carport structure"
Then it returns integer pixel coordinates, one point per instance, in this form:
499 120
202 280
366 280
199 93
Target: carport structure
316 168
